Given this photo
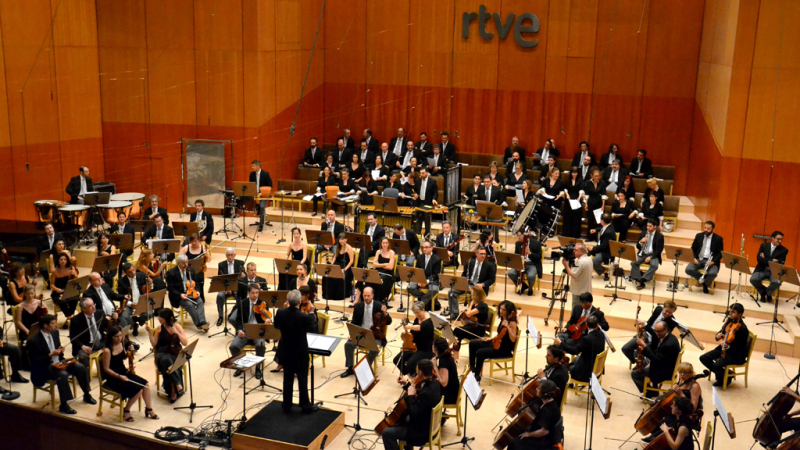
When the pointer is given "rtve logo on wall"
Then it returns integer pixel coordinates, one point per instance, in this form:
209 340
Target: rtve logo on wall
502 28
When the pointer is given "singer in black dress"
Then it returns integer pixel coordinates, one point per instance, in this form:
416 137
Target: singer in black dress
622 213
595 191
336 288
120 380
573 217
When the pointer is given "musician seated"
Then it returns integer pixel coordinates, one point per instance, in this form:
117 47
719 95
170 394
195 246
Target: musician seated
661 313
542 433
650 245
87 331
500 346
555 370
601 253
421 331
475 320
303 279
159 230
707 252
167 342
733 349
768 251
313 154
332 226
45 350
200 214
146 264
446 370
658 358
687 387
230 266
327 178
641 166
48 242
445 239
136 285
178 279
790 422
491 192
120 379
588 347
533 262
194 249
422 396
364 314
480 273
154 210
249 314
580 312
123 227
432 266
439 166
682 409
105 248
413 243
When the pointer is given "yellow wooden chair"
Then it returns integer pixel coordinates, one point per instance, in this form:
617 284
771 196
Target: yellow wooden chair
51 389
506 364
158 376
95 360
666 384
457 405
564 394
114 399
696 284
322 321
435 437
731 370
599 366
708 435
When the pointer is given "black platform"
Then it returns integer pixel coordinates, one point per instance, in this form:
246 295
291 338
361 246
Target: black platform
271 428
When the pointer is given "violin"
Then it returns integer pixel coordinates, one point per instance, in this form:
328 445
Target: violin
765 431
639 335
129 353
397 415
262 310
305 306
174 347
577 330
41 310
651 418
497 340
65 364
730 330
408 339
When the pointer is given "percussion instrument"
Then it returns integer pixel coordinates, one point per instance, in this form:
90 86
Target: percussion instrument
74 214
112 209
136 199
46 210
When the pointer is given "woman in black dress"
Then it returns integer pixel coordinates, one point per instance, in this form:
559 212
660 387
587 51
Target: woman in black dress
196 249
64 271
383 172
422 332
572 216
542 433
168 340
356 169
446 370
652 186
494 174
650 209
17 283
347 187
595 191
303 279
527 195
486 240
412 167
482 349
368 197
472 190
406 197
336 288
104 248
515 179
24 318
627 188
327 179
683 410
297 250
119 380
394 182
384 263
622 213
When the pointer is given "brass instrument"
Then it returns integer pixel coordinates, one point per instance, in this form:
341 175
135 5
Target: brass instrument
705 270
201 225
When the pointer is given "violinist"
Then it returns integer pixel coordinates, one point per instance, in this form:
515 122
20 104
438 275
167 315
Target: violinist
665 313
422 333
45 350
18 282
123 227
555 371
178 279
659 357
542 433
475 318
147 265
364 315
48 242
588 347
500 346
136 285
581 312
682 409
446 370
249 313
167 342
733 348
121 380
479 272
59 277
424 393
196 249
688 387
533 262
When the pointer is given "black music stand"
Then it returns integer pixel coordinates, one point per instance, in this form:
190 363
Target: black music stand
185 228
386 204
332 271
409 274
365 381
185 357
739 264
261 331
364 338
165 247
141 226
106 263
121 241
320 239
287 268
443 254
223 283
371 276
361 242
791 277
274 299
460 284
93 200
510 261
620 249
197 266
75 287
490 213
677 255
244 189
148 304
476 396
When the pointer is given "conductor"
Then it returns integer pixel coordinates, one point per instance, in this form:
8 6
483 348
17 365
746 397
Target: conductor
294 325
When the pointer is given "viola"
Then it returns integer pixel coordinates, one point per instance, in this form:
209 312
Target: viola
651 418
397 415
499 338
640 356
577 330
191 290
174 347
379 322
65 364
262 310
730 334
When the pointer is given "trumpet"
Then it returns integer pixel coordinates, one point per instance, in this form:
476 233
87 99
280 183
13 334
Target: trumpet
705 270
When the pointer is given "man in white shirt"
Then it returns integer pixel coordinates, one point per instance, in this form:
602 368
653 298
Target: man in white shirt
581 274
363 315
230 266
707 252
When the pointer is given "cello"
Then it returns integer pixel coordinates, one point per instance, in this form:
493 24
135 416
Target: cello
397 415
766 431
651 418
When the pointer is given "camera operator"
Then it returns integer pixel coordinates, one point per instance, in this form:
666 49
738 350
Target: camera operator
581 274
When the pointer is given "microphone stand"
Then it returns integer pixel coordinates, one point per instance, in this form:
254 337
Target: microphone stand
226 283
8 394
775 320
525 376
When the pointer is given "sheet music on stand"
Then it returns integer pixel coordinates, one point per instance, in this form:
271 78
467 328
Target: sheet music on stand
534 334
247 362
686 333
364 376
319 341
442 324
727 418
600 397
473 390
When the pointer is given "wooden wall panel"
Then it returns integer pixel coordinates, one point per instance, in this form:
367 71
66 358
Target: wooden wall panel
74 23
751 207
7 185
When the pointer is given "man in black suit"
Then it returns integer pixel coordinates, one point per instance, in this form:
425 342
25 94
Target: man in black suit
432 266
707 251
313 154
479 272
584 309
246 315
664 313
588 347
376 232
159 231
445 239
405 157
601 253
428 196
640 166
123 227
262 179
533 262
177 277
439 166
45 349
546 168
201 214
511 165
363 316
46 243
737 351
132 284
413 243
577 160
769 251
514 147
425 147
584 170
154 210
293 351
659 358
397 145
332 226
420 403
555 371
230 266
615 173
87 330
448 149
348 140
495 194
78 186
388 158
342 156
249 277
650 245
103 297
609 157
372 144
543 155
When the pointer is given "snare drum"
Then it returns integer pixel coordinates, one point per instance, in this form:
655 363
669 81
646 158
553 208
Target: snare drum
136 200
112 209
46 209
74 214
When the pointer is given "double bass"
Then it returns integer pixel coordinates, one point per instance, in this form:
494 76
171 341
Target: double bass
651 418
397 415
766 431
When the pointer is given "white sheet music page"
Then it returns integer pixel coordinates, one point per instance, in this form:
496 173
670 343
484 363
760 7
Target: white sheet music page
532 330
472 389
723 414
599 394
364 374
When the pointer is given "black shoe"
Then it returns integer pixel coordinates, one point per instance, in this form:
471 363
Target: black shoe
66 409
238 373
605 276
530 292
649 439
310 409
66 325
219 322
314 214
769 299
89 399
705 289
347 373
135 331
259 373
388 307
718 383
17 378
639 285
